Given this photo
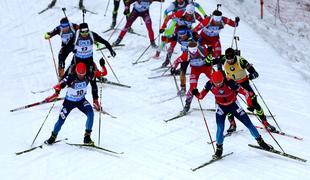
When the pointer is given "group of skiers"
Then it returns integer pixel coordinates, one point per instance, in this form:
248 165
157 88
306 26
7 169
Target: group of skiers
201 49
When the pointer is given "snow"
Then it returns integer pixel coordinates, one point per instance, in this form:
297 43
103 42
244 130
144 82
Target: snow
152 148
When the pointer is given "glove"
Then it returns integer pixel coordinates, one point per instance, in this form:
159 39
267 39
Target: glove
210 49
47 36
237 19
57 88
195 92
126 11
253 75
52 97
96 104
98 74
209 59
102 62
161 30
112 52
172 70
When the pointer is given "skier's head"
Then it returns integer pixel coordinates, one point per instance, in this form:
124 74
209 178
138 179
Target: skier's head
80 70
230 55
189 13
180 3
84 29
182 32
64 24
217 16
192 47
217 78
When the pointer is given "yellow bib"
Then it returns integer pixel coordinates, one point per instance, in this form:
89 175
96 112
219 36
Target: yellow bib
235 71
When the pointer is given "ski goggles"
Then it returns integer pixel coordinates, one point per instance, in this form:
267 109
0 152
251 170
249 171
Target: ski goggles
64 25
217 18
84 31
192 50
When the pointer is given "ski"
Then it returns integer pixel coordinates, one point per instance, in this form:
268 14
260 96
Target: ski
213 110
279 153
94 147
211 161
227 135
36 147
163 75
282 133
102 48
110 29
41 91
105 81
35 104
168 99
83 8
160 68
181 114
135 33
49 6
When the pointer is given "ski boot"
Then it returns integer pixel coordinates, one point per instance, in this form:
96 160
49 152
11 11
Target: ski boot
218 152
87 139
268 126
153 44
263 145
51 140
232 128
117 42
156 56
167 60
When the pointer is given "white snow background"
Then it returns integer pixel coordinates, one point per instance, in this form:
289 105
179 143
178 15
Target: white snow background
152 148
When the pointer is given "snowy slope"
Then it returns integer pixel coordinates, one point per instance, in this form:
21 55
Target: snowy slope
153 149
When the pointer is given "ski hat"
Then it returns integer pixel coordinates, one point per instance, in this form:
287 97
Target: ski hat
217 78
80 69
190 9
217 15
64 22
230 53
84 27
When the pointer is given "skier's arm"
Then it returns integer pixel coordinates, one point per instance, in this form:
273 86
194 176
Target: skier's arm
52 33
230 22
99 39
249 67
204 92
201 25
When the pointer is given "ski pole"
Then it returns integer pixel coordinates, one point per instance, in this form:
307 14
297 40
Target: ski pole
106 9
34 104
116 27
136 62
43 123
100 97
110 66
264 126
160 14
266 105
234 37
205 120
176 83
51 48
